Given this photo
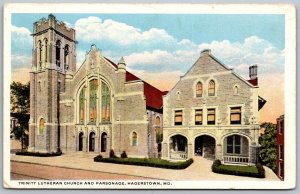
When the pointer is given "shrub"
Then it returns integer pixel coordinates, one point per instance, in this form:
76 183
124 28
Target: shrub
215 165
38 154
261 170
123 155
112 154
98 158
153 162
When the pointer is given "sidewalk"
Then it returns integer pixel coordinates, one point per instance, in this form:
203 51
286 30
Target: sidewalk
199 170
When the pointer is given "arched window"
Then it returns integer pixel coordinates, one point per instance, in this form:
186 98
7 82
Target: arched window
157 121
93 100
178 95
134 139
211 88
199 89
237 144
40 53
57 53
236 90
82 105
105 102
42 126
66 57
46 50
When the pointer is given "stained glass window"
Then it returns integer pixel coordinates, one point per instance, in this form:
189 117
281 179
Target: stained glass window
105 102
93 100
82 105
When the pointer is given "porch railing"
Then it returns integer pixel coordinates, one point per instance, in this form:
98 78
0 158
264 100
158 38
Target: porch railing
236 159
178 155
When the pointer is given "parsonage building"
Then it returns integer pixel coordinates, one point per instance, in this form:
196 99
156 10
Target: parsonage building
211 112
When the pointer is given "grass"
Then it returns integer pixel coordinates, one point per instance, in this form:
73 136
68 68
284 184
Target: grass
246 169
152 162
251 171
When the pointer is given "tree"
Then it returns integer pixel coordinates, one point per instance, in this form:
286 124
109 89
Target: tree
20 103
268 144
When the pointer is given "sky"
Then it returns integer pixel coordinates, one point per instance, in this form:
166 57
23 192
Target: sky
159 48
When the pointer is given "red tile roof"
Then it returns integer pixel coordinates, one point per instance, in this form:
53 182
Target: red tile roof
152 94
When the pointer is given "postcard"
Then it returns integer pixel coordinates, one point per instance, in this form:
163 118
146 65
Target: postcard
149 96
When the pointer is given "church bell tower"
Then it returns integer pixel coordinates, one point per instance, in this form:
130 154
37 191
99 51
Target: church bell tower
53 57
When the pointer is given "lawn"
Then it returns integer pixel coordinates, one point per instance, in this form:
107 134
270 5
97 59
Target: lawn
152 162
251 171
246 169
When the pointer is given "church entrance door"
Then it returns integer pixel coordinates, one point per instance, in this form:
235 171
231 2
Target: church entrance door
92 142
80 145
103 142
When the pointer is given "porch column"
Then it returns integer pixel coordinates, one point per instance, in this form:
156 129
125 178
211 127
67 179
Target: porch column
190 150
219 152
165 154
253 153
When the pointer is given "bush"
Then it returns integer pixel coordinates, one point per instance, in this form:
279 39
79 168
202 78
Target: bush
215 165
38 154
112 154
250 171
153 162
123 155
98 158
261 170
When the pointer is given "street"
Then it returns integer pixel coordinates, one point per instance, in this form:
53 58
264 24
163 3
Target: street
27 171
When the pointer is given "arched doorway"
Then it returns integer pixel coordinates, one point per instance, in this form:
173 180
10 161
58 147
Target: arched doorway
178 147
103 142
205 146
92 142
80 143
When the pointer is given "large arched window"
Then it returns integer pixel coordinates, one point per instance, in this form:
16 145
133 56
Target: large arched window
57 52
93 100
46 50
199 89
82 105
42 126
105 102
134 139
211 88
66 57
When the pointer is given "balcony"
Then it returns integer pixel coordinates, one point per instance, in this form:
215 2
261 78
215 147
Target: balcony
179 155
236 159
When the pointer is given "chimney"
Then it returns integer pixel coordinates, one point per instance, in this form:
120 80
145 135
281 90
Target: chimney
253 75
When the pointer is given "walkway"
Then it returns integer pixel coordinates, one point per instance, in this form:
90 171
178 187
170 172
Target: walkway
199 170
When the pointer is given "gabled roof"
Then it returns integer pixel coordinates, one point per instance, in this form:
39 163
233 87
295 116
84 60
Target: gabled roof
153 95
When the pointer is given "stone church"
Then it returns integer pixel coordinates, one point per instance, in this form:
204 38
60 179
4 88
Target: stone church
211 112
96 108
